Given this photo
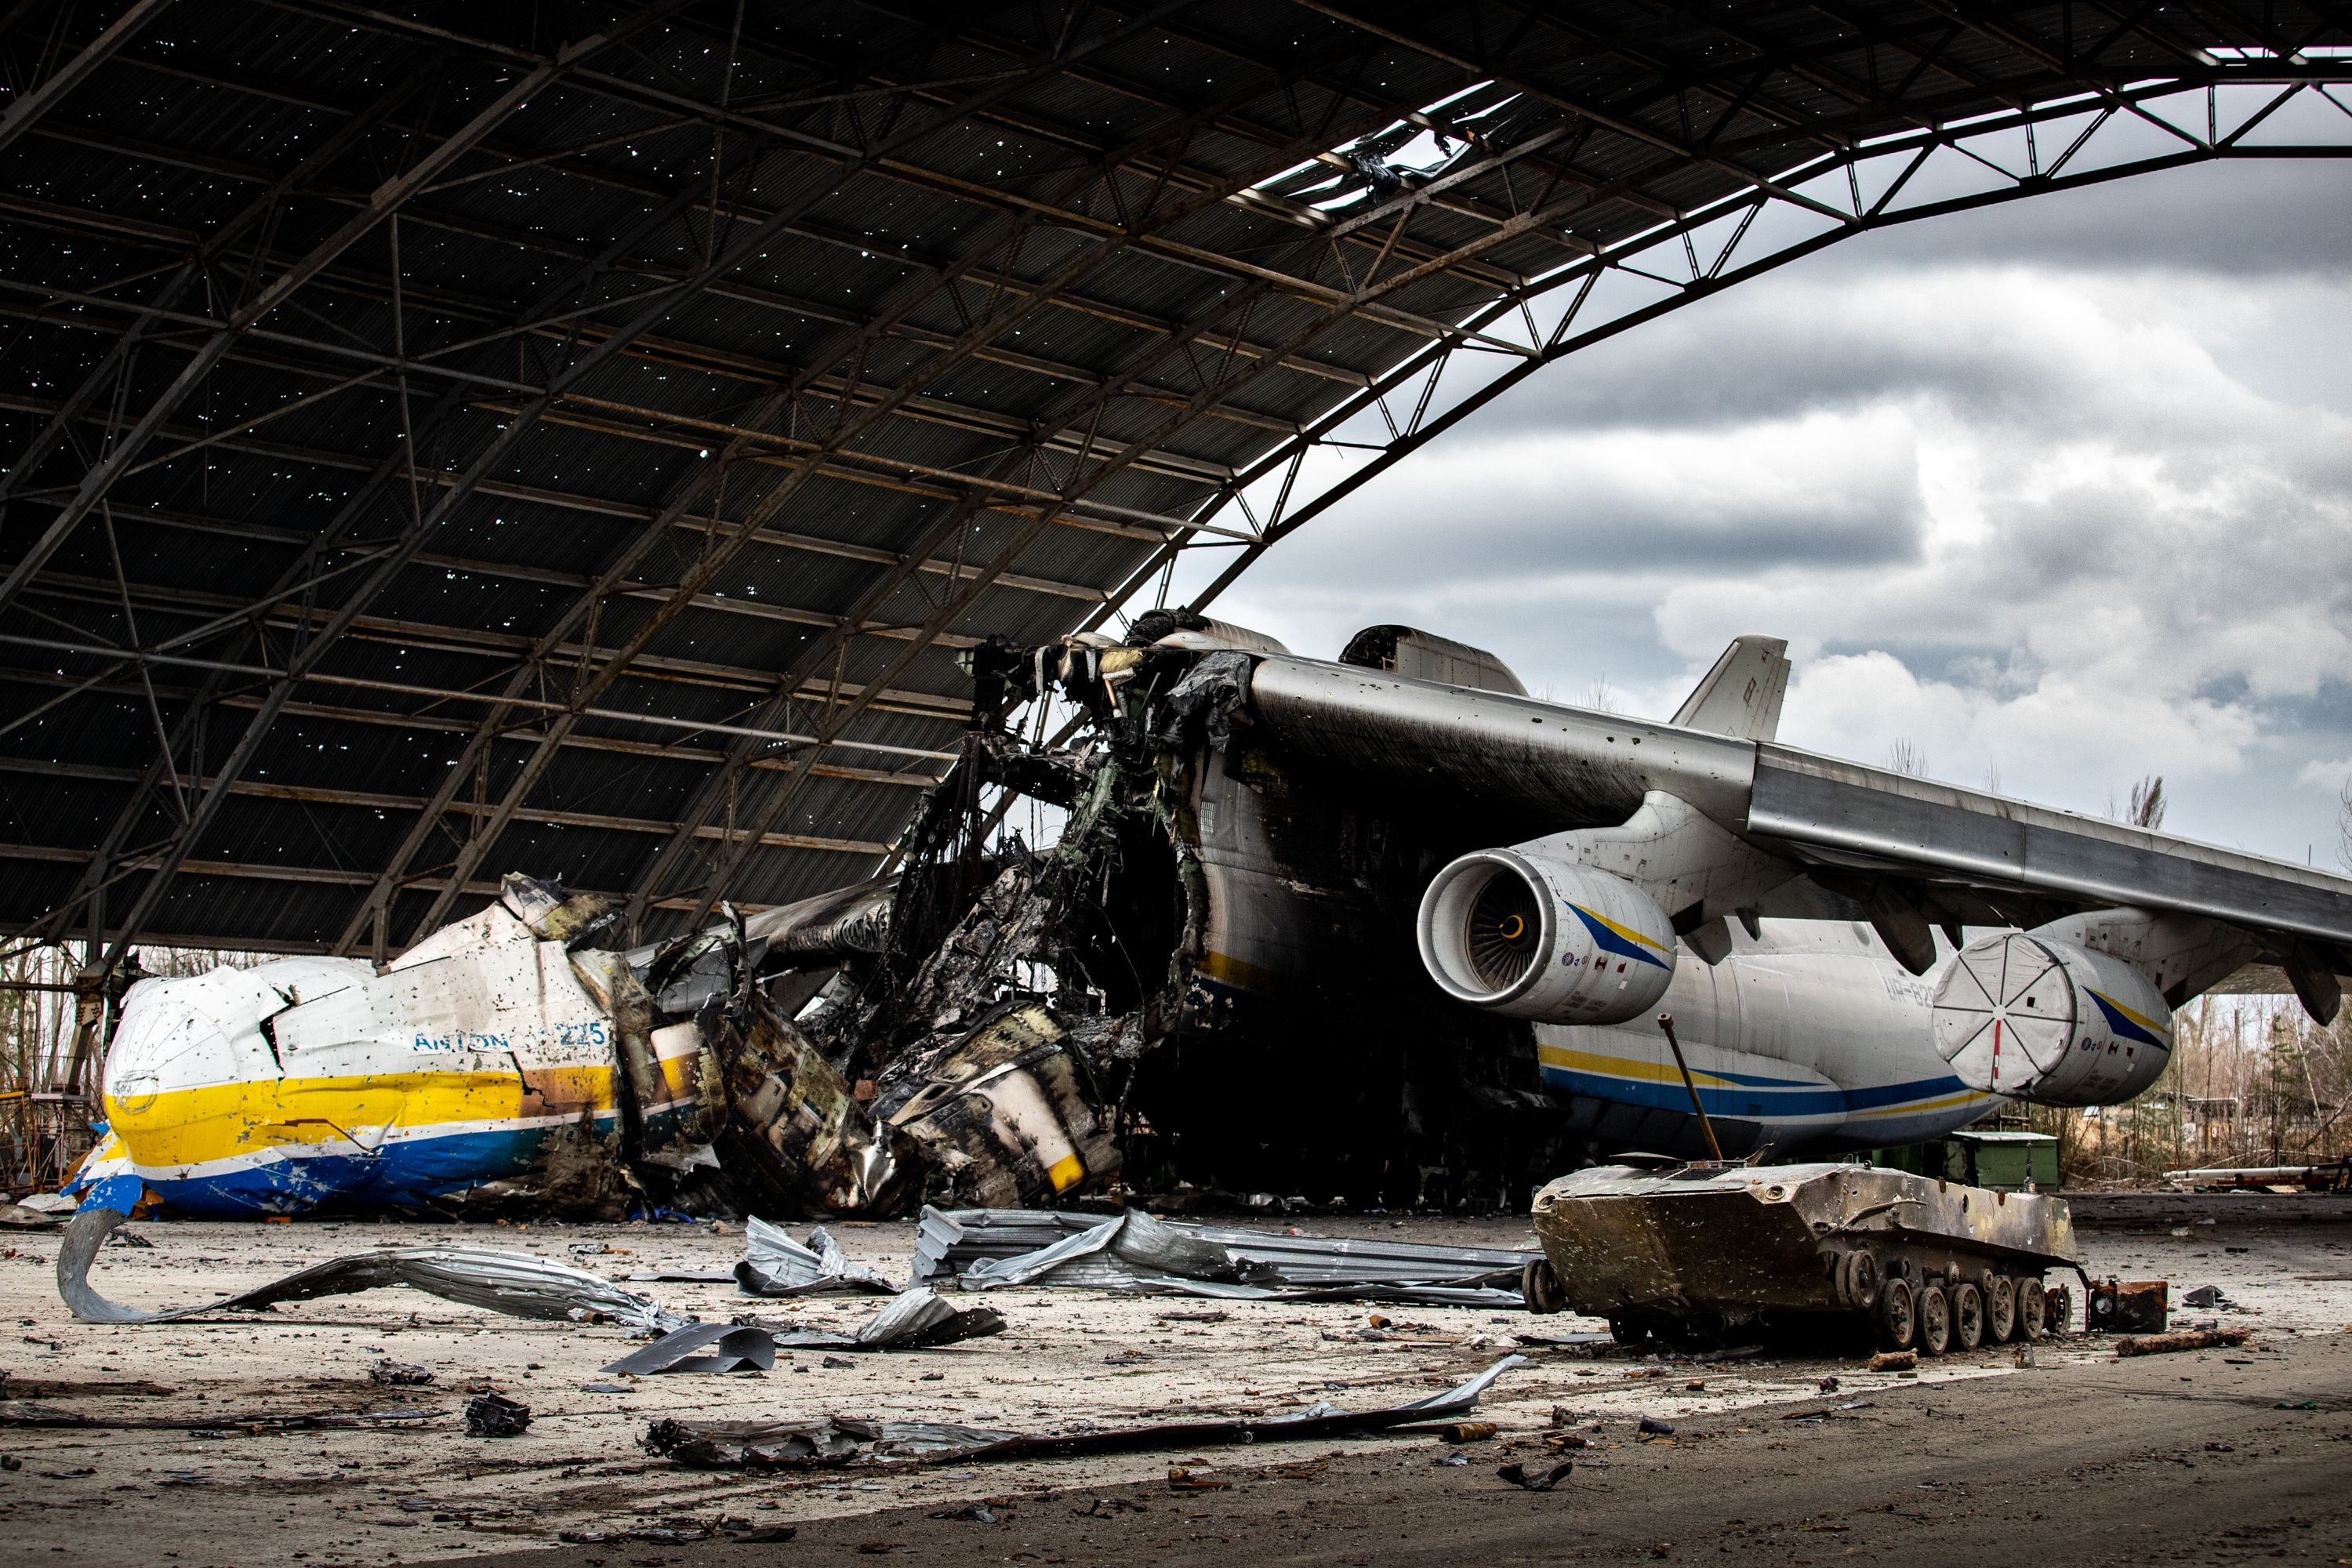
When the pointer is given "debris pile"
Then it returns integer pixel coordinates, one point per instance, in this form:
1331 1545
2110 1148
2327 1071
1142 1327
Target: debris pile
983 1249
831 1440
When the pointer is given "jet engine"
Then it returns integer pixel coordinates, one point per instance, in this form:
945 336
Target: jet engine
1533 937
2036 1018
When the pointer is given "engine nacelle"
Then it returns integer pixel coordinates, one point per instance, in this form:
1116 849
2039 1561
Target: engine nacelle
1533 937
2044 1020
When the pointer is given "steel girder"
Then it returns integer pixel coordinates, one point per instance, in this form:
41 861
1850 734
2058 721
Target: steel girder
1149 333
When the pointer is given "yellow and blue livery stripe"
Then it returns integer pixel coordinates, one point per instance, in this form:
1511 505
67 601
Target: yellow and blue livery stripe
1623 940
2128 1024
1742 1096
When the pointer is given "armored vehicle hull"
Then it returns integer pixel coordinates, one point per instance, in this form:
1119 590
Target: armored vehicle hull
1695 1252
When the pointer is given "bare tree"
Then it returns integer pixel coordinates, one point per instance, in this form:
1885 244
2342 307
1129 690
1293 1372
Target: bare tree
2147 803
1905 757
1603 697
2343 824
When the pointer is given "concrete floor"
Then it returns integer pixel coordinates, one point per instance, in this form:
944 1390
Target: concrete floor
129 1495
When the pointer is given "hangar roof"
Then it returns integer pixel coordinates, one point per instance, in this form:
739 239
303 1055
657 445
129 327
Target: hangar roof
576 437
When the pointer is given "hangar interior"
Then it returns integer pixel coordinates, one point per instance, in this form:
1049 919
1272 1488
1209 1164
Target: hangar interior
580 437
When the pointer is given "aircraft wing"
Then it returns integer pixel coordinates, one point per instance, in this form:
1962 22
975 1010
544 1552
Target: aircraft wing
1908 854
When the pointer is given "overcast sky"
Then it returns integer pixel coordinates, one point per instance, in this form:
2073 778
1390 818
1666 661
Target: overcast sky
2058 492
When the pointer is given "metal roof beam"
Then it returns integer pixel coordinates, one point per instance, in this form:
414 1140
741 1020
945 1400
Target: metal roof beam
136 658
302 662
738 210
383 202
202 253
480 642
329 876
848 463
1138 227
230 528
376 289
1564 343
24 111
368 800
731 536
387 718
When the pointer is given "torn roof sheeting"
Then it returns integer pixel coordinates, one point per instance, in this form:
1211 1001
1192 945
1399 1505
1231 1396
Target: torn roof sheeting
992 1248
700 1347
775 1264
514 1283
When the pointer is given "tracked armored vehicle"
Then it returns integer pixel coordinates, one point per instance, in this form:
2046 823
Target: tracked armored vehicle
1695 1253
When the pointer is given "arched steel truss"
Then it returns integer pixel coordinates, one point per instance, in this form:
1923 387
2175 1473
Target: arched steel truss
574 437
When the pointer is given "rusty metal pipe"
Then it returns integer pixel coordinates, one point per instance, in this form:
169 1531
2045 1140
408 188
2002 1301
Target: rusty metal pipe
1666 1023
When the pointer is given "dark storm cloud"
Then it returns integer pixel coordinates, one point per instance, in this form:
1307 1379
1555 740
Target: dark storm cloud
1446 531
1786 344
2062 488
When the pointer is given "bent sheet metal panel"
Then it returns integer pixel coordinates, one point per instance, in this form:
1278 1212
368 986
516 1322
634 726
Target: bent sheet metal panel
949 1242
832 1440
515 1283
1749 1238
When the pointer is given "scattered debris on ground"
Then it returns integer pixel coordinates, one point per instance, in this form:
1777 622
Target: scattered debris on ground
833 1441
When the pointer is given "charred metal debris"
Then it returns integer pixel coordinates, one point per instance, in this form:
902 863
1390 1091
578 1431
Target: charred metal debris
1207 985
1000 1026
1039 1021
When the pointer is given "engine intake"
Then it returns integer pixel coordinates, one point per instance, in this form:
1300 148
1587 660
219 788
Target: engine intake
2044 1020
1532 936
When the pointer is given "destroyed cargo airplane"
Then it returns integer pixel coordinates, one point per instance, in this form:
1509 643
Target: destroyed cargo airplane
509 1060
1390 929
1386 928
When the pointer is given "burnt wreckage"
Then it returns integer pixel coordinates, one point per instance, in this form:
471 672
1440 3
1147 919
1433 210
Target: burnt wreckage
1278 947
1386 930
1325 1063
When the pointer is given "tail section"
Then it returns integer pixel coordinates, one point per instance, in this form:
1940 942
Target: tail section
1741 695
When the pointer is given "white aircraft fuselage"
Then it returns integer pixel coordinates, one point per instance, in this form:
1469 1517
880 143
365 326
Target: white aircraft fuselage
1807 1034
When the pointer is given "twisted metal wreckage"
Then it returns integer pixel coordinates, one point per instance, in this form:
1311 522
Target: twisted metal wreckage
1275 949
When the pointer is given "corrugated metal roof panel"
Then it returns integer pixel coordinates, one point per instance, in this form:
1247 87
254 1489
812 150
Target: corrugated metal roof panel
991 300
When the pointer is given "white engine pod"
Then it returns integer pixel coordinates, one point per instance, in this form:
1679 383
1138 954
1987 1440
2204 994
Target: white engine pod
1536 938
2046 1021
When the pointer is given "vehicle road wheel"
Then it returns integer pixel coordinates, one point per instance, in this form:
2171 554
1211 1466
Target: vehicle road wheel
1861 1277
1541 1287
2032 1311
1968 1315
1934 1320
2058 1309
1898 1328
2001 1310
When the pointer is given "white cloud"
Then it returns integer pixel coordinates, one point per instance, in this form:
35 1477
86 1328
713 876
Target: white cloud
2334 777
2080 511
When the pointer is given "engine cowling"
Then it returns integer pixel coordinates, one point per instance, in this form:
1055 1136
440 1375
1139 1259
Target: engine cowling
1533 937
2038 1020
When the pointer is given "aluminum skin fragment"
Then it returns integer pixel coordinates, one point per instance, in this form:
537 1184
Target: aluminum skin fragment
700 1347
916 1320
993 1249
775 1264
514 1283
830 1441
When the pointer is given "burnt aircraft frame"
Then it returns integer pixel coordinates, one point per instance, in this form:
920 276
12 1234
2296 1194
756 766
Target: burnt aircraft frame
577 437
